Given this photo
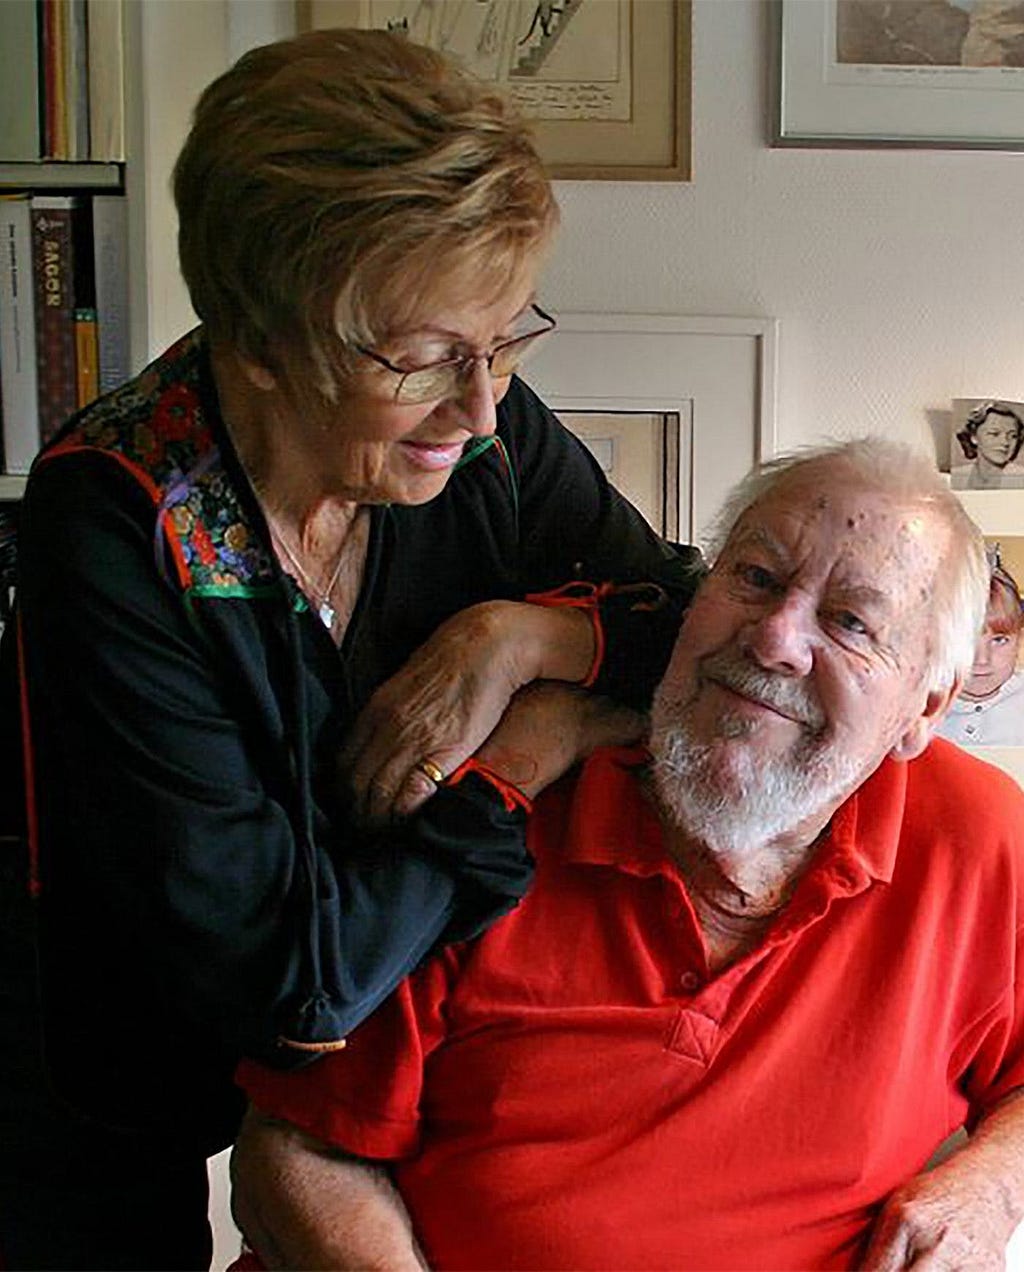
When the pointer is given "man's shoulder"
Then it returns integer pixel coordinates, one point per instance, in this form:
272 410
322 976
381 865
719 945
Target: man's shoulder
955 789
599 813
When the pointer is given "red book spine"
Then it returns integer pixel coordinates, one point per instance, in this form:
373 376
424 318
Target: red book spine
53 278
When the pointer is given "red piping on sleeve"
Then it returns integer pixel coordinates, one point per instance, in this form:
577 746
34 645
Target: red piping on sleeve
512 795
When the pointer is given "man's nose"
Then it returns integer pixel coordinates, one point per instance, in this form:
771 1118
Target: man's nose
781 639
473 405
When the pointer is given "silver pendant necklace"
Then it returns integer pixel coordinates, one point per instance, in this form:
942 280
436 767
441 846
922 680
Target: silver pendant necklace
324 609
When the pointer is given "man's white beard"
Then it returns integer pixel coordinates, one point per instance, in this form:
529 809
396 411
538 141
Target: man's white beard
737 805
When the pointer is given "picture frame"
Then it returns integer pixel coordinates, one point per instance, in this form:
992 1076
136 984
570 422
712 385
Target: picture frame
999 514
638 452
986 444
713 379
628 121
839 83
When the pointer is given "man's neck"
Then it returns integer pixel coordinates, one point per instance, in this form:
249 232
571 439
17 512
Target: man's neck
736 895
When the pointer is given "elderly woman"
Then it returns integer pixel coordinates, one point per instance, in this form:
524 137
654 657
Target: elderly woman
990 708
991 439
242 575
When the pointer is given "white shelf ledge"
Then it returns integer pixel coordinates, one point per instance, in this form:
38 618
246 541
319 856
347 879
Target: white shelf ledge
53 175
12 486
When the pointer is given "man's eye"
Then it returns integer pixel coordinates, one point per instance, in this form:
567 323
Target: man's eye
755 576
851 623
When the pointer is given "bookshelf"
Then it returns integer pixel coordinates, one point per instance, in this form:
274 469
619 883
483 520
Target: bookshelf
167 62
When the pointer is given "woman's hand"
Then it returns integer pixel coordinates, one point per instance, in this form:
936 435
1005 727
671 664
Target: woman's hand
450 695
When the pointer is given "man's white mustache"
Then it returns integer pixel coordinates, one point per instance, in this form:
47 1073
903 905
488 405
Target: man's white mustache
791 698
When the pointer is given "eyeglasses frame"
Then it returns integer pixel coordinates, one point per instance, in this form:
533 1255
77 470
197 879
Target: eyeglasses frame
463 366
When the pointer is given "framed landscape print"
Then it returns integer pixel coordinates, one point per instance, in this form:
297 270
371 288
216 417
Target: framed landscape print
946 73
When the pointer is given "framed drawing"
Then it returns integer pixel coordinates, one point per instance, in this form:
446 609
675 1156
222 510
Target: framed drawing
871 72
639 454
606 83
694 397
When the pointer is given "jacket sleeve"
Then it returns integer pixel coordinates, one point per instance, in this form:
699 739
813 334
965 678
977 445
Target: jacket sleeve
174 907
574 525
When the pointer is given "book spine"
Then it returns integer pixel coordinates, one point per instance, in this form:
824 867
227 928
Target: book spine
76 80
53 275
19 382
52 78
105 26
19 83
110 271
87 357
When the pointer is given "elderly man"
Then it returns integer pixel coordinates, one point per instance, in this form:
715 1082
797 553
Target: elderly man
765 971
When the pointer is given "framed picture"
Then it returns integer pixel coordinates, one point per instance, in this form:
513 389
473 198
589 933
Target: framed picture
988 716
676 409
870 72
986 444
638 452
606 83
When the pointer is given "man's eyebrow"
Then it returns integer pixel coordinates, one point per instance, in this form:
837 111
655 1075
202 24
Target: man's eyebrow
863 594
760 537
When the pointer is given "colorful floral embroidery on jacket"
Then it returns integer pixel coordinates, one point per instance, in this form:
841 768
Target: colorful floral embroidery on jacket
156 427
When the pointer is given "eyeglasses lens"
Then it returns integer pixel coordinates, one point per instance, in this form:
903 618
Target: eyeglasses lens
444 380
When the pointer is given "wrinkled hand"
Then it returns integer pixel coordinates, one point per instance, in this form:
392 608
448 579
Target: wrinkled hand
950 1218
440 706
451 693
548 727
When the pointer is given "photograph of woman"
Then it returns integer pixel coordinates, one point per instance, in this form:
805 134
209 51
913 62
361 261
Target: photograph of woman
988 434
990 708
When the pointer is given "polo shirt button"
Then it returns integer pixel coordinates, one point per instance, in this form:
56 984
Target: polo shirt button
689 981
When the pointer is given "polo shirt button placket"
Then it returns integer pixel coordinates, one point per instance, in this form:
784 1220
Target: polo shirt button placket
689 982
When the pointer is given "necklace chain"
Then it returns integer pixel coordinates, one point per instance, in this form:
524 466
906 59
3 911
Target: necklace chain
324 609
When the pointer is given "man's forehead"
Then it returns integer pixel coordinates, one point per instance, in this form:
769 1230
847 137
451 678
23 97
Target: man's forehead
862 530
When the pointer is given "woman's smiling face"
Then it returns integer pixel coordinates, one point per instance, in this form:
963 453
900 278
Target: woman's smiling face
997 438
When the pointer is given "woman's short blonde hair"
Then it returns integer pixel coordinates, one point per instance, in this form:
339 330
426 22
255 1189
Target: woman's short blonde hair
334 183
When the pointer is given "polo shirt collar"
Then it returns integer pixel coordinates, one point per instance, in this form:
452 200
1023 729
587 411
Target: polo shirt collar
612 822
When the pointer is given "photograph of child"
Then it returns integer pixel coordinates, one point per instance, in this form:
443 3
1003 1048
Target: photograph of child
985 445
990 708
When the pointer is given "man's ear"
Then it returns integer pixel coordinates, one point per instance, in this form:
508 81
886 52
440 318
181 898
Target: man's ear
919 733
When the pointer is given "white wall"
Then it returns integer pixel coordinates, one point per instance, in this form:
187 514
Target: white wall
898 275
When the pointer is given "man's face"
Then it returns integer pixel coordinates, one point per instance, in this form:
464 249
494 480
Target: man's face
802 661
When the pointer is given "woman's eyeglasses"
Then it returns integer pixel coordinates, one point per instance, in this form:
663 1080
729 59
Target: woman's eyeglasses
440 380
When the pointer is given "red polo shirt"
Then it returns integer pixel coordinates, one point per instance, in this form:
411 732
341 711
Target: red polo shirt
574 1090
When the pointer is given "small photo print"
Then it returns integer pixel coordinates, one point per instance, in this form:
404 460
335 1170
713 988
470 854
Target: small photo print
986 443
990 708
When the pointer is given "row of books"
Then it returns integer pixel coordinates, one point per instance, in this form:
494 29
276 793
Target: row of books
61 80
63 313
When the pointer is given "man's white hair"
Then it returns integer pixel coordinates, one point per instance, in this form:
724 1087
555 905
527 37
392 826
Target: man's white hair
961 595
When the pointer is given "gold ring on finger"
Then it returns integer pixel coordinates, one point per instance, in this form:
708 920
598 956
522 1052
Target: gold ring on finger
429 769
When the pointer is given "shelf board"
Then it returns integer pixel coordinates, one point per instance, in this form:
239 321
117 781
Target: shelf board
51 175
12 486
